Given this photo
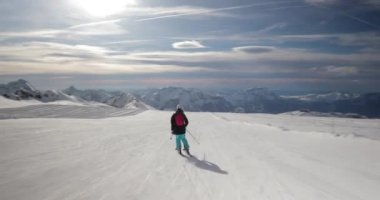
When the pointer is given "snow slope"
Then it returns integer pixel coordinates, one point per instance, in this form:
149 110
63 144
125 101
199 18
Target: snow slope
13 109
9 103
239 156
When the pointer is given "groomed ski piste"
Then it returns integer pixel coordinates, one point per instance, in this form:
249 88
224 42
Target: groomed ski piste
78 153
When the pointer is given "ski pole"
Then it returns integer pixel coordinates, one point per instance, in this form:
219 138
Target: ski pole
193 137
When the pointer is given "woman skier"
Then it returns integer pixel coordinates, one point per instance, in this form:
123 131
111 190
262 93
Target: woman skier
179 123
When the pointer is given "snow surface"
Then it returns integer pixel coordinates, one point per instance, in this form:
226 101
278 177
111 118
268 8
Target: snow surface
9 103
236 156
13 109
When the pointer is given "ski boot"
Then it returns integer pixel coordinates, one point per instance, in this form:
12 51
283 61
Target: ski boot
187 152
179 151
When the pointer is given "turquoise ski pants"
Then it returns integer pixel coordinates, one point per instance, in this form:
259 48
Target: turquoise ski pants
179 139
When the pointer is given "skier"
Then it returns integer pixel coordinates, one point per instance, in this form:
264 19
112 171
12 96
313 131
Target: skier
179 122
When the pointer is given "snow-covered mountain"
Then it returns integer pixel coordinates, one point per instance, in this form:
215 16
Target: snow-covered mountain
90 95
324 114
18 90
366 104
254 100
125 100
348 104
56 95
191 99
23 90
113 98
326 97
260 100
14 86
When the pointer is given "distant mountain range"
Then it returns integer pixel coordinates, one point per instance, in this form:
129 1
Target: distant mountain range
253 100
113 98
191 99
262 100
23 90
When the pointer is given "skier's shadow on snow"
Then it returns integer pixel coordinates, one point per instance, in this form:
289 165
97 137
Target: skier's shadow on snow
206 165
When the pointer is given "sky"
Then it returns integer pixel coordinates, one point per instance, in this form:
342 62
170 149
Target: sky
331 45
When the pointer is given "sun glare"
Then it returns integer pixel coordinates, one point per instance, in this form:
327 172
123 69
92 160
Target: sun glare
102 8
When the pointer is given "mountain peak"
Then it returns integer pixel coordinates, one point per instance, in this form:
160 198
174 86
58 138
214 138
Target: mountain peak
70 90
20 84
21 81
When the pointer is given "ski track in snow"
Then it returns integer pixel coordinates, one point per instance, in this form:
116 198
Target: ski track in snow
72 152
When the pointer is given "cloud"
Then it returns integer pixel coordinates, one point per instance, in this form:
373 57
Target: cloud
127 42
173 13
77 32
366 39
351 3
239 63
323 2
176 11
191 44
43 33
279 62
57 58
345 8
288 7
51 53
272 27
215 11
342 71
105 28
337 70
100 68
375 3
94 23
254 49
101 8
